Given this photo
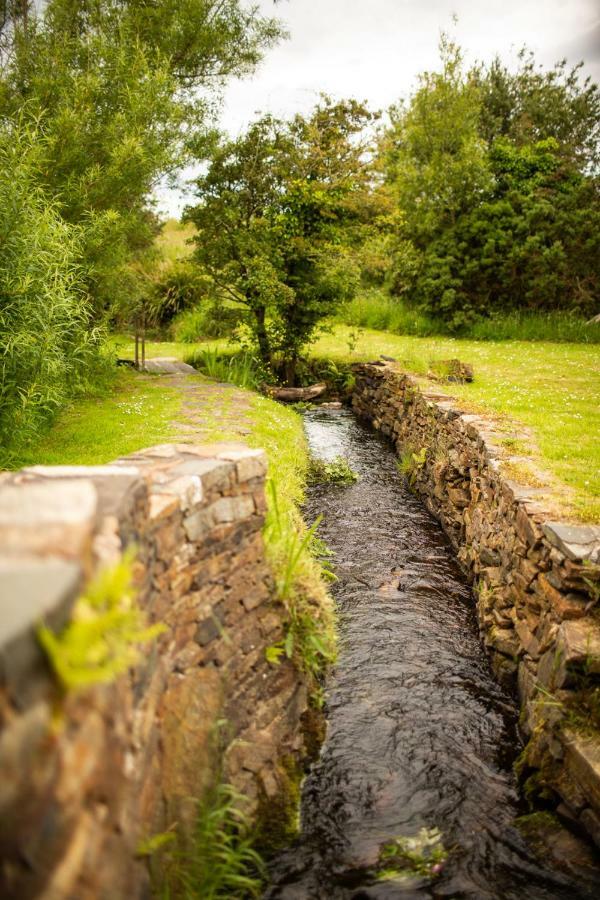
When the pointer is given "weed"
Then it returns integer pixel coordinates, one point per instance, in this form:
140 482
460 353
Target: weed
411 462
100 641
336 471
422 855
219 861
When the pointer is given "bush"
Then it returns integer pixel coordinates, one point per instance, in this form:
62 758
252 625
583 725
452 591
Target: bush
179 287
207 320
49 350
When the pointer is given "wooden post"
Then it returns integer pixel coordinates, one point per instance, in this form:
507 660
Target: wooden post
143 339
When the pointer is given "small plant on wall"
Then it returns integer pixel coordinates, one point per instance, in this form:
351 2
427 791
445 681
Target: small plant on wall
101 640
411 462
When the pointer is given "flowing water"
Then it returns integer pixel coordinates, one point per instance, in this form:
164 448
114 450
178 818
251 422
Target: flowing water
419 733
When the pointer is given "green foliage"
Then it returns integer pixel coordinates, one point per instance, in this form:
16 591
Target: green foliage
495 176
219 861
208 320
422 855
336 471
310 638
274 211
100 642
241 369
411 462
178 287
121 89
49 350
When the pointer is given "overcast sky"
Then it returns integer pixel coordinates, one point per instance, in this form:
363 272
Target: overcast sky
374 49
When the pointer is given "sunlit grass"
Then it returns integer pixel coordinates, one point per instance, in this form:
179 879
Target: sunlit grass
138 413
551 389
173 240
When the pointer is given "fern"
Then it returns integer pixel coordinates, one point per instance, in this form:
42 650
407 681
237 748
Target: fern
100 642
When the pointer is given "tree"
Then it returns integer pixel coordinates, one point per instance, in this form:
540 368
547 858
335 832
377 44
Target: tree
275 211
120 89
495 179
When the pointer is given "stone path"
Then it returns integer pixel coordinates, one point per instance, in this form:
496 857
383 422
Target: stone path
210 410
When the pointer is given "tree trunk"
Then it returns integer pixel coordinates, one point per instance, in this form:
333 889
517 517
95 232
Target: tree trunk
290 371
262 336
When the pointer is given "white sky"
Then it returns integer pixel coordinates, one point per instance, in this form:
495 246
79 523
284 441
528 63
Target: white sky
374 49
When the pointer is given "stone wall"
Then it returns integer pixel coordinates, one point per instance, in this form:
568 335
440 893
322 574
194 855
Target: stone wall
88 774
536 578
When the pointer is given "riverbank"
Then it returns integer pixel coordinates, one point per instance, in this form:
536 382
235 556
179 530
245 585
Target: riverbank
547 392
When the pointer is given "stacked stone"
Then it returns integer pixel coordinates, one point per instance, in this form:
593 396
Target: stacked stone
536 579
88 774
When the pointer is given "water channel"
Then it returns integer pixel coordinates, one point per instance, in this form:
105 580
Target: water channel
419 733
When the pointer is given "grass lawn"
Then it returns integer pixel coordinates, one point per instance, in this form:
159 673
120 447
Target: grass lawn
550 389
137 413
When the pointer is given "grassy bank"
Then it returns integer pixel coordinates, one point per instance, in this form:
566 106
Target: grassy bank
550 390
376 310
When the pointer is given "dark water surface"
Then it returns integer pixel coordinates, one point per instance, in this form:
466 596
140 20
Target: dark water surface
419 733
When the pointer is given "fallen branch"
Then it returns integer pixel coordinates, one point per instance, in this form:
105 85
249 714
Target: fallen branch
294 395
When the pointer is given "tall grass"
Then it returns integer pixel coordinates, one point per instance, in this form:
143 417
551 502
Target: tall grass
218 861
49 348
377 311
293 549
241 369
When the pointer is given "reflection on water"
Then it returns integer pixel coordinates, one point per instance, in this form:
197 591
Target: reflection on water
419 733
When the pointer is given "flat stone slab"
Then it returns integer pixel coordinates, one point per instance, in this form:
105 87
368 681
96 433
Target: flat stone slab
32 591
577 542
168 365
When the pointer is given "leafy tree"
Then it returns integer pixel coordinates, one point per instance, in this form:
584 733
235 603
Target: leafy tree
120 89
275 209
494 176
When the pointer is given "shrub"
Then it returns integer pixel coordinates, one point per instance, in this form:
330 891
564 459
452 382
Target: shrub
205 320
48 348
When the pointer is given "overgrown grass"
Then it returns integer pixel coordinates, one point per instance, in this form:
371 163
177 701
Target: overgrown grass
241 369
378 311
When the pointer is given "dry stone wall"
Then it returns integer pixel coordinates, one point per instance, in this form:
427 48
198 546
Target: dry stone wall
536 579
86 775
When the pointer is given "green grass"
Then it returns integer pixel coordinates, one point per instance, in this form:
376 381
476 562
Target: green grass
551 389
219 861
376 310
137 414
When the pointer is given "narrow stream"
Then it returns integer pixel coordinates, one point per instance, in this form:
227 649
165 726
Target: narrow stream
419 733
